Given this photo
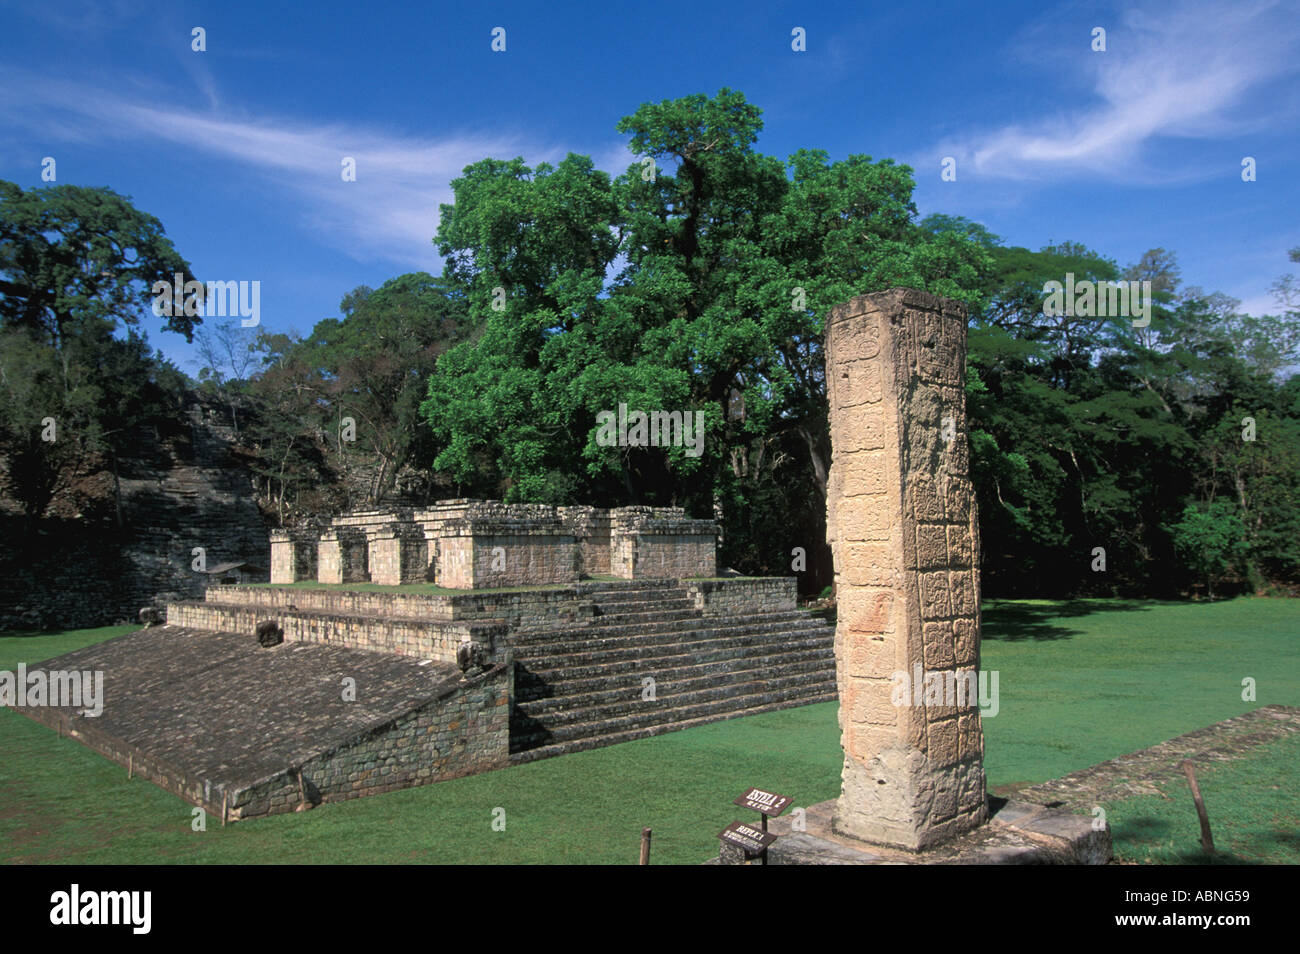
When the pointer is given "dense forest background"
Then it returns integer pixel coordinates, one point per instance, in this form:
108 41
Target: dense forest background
1108 459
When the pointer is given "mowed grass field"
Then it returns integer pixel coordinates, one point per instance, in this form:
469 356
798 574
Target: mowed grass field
1078 682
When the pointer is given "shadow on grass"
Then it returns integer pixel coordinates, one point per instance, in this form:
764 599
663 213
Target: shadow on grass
1145 839
1013 621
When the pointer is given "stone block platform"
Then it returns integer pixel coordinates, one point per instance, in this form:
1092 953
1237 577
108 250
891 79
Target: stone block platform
215 718
200 708
1017 833
594 662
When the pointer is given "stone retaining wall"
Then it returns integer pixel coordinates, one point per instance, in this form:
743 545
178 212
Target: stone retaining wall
540 609
423 639
543 608
463 731
141 764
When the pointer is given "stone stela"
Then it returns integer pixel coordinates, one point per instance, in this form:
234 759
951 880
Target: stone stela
480 544
902 527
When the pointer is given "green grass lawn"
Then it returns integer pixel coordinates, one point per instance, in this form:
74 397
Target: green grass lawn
1253 805
1088 680
1080 682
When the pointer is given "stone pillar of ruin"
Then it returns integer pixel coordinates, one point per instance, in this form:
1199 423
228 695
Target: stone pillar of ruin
293 555
343 556
902 528
281 557
397 554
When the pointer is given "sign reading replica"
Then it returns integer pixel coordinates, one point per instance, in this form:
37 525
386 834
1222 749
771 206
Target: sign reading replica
769 803
752 839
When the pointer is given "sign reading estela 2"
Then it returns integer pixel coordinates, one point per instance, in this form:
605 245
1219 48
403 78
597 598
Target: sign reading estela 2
768 803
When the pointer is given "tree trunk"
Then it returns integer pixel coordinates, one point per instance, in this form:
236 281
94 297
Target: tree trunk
117 490
818 459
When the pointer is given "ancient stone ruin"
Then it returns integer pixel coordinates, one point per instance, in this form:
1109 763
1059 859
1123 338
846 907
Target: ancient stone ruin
902 527
560 629
480 544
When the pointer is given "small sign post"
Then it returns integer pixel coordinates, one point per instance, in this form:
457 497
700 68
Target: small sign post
746 836
756 841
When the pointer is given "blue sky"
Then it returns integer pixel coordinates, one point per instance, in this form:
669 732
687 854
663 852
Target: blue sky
237 150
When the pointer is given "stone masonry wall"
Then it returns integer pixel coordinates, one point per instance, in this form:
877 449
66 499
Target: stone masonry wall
744 597
471 544
481 553
534 608
464 731
145 765
902 528
590 527
423 639
293 555
343 556
543 608
670 556
661 543
397 555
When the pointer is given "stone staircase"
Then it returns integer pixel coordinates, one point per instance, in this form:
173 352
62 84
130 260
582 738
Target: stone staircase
584 654
585 686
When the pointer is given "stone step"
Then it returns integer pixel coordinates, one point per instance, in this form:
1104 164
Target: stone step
547 639
729 640
628 619
667 604
595 707
568 642
634 594
608 720
751 707
530 685
620 688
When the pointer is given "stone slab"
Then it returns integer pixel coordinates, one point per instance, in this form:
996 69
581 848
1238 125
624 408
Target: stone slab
1017 833
219 707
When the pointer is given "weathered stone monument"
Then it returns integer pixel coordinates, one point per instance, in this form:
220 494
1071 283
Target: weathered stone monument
901 523
902 528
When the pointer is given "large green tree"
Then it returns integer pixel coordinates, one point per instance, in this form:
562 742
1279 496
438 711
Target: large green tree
77 267
370 367
698 280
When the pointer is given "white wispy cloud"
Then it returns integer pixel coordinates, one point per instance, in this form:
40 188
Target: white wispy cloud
1174 70
390 213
